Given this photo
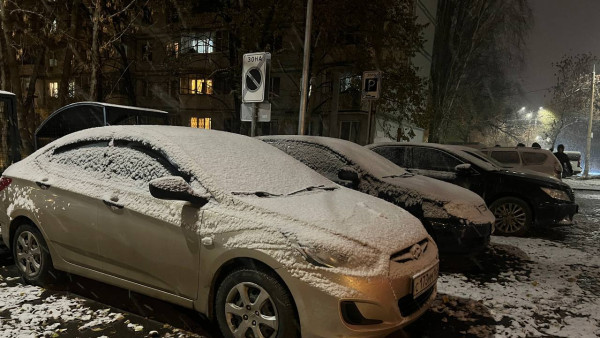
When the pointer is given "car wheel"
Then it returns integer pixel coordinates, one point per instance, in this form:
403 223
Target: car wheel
513 216
32 256
253 303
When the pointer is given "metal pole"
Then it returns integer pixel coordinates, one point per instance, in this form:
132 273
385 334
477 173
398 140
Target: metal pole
586 170
305 66
369 114
254 119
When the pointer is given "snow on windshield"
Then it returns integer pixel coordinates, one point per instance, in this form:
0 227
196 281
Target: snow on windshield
366 159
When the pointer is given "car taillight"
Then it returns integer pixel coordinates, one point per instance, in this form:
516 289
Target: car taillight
4 182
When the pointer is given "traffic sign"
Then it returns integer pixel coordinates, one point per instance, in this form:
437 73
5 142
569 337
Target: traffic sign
255 76
371 89
264 112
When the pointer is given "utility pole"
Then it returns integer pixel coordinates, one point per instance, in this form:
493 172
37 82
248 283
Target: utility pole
586 170
305 67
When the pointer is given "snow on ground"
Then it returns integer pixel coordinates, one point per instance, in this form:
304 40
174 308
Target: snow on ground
578 183
549 294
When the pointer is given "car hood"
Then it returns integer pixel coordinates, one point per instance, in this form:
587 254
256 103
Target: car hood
441 199
353 215
540 178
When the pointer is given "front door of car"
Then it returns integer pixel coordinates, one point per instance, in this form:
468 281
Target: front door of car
72 199
435 163
143 239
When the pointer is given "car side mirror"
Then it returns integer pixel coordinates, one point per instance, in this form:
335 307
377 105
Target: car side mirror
176 188
348 173
463 169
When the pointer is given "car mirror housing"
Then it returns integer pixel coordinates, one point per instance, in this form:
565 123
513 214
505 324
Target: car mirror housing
463 169
348 173
176 188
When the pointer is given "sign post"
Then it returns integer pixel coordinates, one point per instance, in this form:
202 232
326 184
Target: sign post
371 90
255 83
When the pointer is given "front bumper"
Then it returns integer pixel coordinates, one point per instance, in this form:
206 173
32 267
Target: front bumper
456 238
386 302
553 213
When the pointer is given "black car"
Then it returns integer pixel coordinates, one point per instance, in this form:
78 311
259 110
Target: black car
519 200
456 218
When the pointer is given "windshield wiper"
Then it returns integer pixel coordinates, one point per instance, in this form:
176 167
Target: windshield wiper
406 174
255 193
311 188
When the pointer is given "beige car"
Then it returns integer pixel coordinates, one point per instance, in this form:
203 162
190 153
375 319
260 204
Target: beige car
526 159
220 223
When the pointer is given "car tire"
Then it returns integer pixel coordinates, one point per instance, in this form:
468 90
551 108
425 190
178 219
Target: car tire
513 216
275 316
32 256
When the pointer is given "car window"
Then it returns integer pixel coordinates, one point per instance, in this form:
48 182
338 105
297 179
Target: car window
533 158
398 155
89 156
136 165
506 156
317 157
433 159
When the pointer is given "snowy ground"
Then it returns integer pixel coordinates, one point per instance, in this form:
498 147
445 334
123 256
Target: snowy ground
545 285
578 183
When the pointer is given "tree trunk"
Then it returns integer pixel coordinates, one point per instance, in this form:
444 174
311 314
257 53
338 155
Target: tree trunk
63 88
95 52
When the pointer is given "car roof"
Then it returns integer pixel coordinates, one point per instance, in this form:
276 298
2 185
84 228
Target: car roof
517 149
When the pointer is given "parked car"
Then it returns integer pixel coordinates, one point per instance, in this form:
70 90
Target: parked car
519 200
527 158
220 223
456 218
575 158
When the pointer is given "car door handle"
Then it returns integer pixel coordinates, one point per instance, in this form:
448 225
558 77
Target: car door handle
113 204
43 186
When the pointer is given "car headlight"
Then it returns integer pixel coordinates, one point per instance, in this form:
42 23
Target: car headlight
557 194
323 257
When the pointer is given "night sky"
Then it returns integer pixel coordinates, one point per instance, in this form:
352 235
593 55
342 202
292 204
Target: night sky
561 27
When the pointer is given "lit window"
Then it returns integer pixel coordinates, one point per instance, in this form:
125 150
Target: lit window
53 89
173 49
197 43
193 85
72 89
200 122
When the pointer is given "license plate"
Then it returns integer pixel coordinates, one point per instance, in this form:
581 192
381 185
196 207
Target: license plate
424 280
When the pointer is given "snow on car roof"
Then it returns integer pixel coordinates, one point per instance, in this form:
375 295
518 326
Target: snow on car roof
366 159
224 161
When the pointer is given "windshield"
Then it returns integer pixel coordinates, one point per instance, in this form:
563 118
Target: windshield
478 154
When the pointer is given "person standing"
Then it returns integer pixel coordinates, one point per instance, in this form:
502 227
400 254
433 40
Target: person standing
564 161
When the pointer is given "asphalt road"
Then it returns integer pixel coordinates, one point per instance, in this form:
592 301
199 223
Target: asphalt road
174 321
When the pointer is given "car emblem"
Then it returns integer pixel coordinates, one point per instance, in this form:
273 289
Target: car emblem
416 251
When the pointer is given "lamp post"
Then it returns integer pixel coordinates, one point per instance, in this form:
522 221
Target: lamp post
305 68
588 149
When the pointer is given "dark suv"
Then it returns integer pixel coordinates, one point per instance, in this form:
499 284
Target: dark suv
517 199
456 218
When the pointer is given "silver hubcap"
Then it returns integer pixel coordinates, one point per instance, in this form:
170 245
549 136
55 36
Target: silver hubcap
510 217
29 254
250 312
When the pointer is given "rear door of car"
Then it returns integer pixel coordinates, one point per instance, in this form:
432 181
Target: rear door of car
144 239
74 192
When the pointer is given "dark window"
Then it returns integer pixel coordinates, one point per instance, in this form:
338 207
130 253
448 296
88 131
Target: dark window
349 130
317 157
275 85
509 156
433 159
147 51
146 15
533 158
398 155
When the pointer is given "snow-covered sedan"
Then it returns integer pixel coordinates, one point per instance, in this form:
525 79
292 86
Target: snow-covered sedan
458 219
221 223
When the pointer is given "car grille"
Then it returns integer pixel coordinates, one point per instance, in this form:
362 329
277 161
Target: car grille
409 305
409 253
